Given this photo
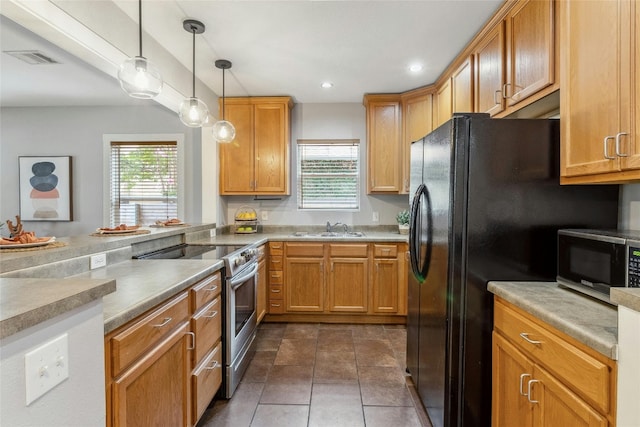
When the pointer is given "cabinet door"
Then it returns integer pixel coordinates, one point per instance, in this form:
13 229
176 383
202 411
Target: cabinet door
530 49
462 88
383 150
155 391
631 143
348 284
236 158
385 285
271 122
512 372
262 289
558 406
590 96
418 121
304 284
490 72
443 103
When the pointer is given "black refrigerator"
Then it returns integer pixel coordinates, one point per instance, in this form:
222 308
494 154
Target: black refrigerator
486 204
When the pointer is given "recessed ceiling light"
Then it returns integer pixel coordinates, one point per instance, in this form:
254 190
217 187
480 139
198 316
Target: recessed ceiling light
326 85
415 68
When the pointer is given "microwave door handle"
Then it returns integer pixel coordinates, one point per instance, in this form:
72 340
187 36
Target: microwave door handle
235 282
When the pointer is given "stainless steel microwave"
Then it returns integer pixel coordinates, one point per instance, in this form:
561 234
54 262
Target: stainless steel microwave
594 261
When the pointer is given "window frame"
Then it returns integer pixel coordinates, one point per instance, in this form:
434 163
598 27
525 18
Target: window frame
107 139
354 141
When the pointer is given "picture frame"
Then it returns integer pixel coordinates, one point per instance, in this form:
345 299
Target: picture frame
45 188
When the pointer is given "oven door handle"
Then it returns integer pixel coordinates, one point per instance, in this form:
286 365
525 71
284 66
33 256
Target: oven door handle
235 282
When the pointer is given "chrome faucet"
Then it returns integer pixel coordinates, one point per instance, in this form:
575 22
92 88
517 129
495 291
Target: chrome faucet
344 226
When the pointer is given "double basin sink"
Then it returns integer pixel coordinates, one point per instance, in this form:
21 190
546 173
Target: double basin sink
328 234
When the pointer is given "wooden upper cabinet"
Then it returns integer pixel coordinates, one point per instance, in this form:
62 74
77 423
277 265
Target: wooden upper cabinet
599 138
443 107
384 148
530 34
490 72
417 114
257 160
462 88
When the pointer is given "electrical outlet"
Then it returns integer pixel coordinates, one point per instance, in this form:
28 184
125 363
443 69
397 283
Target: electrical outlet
265 215
376 217
46 367
99 260
212 232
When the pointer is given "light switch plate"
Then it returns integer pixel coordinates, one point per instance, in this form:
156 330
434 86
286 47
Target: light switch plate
265 215
376 217
46 367
99 260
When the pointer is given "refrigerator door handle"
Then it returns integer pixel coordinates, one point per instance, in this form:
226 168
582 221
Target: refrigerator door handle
415 238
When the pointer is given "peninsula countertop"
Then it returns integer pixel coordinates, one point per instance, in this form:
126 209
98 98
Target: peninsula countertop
591 322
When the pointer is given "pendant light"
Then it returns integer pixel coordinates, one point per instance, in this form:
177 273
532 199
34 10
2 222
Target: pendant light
193 112
223 131
139 77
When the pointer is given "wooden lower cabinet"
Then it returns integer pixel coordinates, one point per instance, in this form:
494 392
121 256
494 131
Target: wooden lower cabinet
164 367
155 390
542 378
348 285
304 284
263 288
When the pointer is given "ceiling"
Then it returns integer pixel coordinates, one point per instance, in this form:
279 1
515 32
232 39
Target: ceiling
277 47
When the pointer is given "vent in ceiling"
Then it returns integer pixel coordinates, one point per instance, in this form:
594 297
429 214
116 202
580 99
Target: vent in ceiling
32 57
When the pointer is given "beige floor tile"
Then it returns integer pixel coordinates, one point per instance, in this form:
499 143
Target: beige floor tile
333 366
296 352
366 332
290 374
301 331
377 394
382 416
374 353
381 374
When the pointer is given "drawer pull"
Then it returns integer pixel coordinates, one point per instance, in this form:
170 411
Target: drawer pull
213 289
213 366
275 305
525 336
522 376
193 341
529 391
386 250
275 291
214 314
165 322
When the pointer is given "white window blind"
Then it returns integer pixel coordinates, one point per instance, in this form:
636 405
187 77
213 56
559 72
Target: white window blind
144 182
328 174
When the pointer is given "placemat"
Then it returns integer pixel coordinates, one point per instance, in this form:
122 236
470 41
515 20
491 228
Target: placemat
35 248
120 235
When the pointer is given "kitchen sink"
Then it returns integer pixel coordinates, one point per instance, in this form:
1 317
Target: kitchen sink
328 234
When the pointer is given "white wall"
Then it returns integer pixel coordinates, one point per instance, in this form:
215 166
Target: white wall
322 121
629 213
77 132
76 401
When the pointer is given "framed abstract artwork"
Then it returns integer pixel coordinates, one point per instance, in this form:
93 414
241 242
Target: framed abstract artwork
45 188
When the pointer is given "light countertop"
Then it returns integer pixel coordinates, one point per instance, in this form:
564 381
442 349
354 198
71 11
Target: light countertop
626 297
591 322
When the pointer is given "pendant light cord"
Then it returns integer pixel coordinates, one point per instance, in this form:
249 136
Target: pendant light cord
140 26
223 94
193 80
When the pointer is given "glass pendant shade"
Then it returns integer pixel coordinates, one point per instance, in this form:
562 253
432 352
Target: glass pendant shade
140 78
193 112
223 131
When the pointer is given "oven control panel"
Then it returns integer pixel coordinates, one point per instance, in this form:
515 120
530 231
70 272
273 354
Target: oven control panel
633 271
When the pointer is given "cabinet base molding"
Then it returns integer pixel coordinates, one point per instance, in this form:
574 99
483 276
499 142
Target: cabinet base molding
336 318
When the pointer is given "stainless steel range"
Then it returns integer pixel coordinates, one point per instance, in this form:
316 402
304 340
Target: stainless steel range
240 296
241 282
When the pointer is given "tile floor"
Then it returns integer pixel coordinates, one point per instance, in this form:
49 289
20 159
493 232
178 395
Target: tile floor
323 375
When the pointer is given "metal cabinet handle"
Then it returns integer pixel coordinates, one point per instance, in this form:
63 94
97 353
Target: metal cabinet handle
165 322
618 153
213 366
214 288
275 305
275 291
606 148
193 341
529 391
522 376
504 90
495 99
525 336
215 313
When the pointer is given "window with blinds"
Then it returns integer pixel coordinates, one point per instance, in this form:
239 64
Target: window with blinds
328 174
144 182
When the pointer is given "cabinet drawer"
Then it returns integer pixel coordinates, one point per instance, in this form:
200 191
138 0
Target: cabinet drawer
207 326
275 278
348 250
305 249
584 374
205 291
275 262
129 344
276 248
275 292
385 251
206 381
276 307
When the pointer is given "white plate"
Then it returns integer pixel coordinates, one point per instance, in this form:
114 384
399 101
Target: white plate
101 231
28 245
